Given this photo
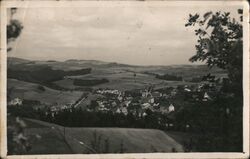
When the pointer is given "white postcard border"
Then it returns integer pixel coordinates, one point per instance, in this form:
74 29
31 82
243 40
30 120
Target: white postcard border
40 4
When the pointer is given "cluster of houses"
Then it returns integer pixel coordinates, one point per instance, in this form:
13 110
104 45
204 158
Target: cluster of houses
59 107
111 91
202 92
137 102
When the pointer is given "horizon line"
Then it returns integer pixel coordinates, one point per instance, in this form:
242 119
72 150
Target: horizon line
109 62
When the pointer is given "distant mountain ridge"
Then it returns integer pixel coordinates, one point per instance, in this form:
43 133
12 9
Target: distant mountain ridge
16 60
101 66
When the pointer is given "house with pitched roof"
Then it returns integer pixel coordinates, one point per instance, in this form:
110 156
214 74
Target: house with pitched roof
171 108
16 102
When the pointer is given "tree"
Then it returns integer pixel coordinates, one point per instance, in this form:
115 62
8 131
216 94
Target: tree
20 141
14 27
220 44
219 41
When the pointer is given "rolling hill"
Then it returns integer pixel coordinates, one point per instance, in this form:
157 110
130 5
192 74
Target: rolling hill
31 91
184 70
50 139
59 77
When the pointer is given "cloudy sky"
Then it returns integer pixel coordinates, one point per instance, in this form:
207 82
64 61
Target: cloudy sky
133 34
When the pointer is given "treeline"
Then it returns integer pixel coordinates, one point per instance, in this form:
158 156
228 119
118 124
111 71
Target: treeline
89 82
169 77
78 72
83 118
44 75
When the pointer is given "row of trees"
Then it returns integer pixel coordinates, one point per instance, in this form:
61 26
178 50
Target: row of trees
90 82
83 118
44 74
169 77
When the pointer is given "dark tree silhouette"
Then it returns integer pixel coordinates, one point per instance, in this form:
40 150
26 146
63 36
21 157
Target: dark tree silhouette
14 28
219 44
219 41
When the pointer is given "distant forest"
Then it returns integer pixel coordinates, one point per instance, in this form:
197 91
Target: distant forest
91 82
44 75
169 77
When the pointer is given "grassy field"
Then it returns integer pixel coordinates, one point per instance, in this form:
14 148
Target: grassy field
82 140
42 138
128 139
121 79
120 76
30 91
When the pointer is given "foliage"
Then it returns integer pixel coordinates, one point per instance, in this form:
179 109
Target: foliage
218 123
44 75
83 118
14 29
219 41
92 82
169 77
17 140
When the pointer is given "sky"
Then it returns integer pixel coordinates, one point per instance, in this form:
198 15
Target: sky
130 34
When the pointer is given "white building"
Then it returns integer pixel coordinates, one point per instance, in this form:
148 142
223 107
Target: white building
187 89
16 101
101 104
118 110
146 105
156 94
206 97
127 103
171 108
124 110
53 109
151 100
146 93
156 104
120 98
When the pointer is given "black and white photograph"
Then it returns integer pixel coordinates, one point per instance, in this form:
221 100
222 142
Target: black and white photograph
126 77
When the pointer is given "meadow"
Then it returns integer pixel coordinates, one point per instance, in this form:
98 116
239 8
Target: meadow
30 91
54 139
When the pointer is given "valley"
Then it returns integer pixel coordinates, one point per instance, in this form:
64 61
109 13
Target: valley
125 105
